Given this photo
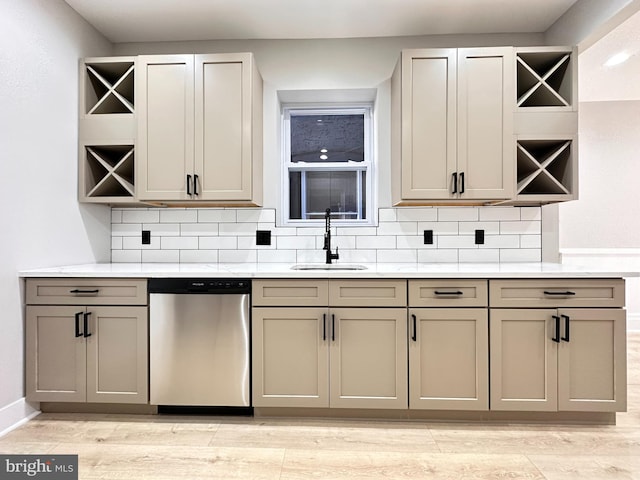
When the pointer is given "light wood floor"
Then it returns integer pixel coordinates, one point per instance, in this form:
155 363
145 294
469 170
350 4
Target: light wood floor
163 447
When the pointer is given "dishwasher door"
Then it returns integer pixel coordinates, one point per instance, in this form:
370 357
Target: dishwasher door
199 349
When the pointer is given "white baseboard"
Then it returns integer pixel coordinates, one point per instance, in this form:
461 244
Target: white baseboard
16 414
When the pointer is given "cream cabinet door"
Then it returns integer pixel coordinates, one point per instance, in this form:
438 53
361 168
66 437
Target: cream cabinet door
165 111
55 354
117 355
368 351
449 358
592 360
486 159
428 123
224 126
290 357
523 359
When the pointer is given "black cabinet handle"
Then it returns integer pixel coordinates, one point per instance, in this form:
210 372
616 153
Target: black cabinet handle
324 326
461 183
414 336
563 294
78 332
195 184
333 328
88 292
456 292
556 337
86 325
189 185
567 320
455 182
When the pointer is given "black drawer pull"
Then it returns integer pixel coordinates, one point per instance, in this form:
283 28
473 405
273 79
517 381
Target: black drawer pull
456 292
86 292
556 337
78 332
454 183
333 328
86 325
414 336
560 294
324 326
567 320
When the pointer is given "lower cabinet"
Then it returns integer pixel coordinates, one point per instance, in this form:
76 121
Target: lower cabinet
338 357
86 354
558 359
448 359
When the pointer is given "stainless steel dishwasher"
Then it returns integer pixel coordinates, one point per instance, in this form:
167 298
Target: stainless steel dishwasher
199 342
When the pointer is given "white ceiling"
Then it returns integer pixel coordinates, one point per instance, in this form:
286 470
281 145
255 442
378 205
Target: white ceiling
176 20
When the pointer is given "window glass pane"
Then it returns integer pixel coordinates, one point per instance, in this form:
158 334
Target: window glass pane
295 192
327 138
312 192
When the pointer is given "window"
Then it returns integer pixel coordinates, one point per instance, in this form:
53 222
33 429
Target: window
327 164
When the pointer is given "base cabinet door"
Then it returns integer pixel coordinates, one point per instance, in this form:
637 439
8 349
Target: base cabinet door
368 358
87 354
523 360
290 357
117 355
55 354
448 359
592 360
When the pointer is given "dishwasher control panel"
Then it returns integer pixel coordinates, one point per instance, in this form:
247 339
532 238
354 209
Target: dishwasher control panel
200 285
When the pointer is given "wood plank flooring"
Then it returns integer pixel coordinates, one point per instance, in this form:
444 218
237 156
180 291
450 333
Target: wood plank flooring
119 447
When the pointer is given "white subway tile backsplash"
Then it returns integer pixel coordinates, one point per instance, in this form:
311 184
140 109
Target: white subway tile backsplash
461 241
479 256
277 256
162 229
215 215
238 256
488 214
237 228
179 216
531 213
179 243
296 243
126 256
417 214
469 228
135 243
218 243
398 228
199 229
520 255
530 241
457 214
378 242
524 227
198 256
438 256
140 216
161 256
387 215
397 256
211 235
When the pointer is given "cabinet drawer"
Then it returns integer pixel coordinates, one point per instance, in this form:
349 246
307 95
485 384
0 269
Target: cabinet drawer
557 293
86 291
290 293
367 293
448 293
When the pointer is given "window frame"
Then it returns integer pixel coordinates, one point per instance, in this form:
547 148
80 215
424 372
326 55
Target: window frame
367 165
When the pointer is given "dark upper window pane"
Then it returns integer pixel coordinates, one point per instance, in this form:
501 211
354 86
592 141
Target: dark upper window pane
327 138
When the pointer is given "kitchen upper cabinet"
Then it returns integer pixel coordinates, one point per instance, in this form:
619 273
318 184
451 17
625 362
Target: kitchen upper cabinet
452 125
199 129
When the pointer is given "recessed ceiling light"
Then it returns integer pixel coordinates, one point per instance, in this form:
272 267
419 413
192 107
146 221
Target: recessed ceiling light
617 59
323 157
323 150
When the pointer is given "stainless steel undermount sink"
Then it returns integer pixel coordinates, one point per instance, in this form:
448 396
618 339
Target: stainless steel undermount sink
330 266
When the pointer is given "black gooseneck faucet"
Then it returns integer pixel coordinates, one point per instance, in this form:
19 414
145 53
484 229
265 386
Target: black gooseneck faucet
327 238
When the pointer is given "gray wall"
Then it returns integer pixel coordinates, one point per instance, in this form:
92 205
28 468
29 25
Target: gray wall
42 223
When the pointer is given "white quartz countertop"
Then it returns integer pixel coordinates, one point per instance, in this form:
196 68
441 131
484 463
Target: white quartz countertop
603 269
